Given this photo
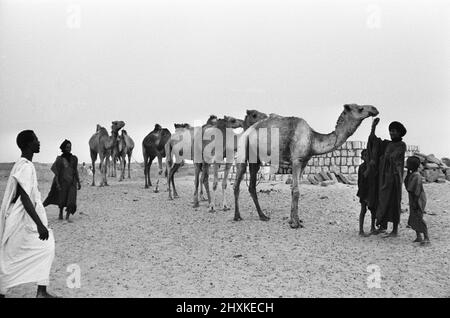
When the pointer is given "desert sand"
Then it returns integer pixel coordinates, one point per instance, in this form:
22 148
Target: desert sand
131 242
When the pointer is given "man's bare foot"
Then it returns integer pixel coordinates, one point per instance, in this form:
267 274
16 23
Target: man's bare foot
425 242
417 240
362 234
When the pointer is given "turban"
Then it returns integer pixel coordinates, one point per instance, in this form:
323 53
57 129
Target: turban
399 127
64 144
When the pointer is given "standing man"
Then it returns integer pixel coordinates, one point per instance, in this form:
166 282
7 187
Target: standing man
66 182
27 247
390 175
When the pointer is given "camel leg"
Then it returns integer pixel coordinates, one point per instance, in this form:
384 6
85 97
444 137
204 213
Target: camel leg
197 167
149 170
93 159
105 183
145 170
129 162
241 168
205 182
216 167
175 194
160 171
122 163
170 181
224 186
297 171
102 169
254 168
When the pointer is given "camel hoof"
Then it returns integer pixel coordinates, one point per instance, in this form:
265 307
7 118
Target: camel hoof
264 218
211 209
203 199
196 205
295 225
156 191
238 218
176 196
93 185
170 198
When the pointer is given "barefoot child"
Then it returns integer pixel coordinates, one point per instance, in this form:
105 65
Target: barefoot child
363 193
417 200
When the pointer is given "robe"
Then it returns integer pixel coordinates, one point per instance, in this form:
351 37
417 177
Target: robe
390 179
24 258
67 174
417 202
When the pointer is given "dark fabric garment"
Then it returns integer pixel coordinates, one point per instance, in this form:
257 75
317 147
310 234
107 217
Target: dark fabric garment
66 172
417 202
363 185
373 153
390 179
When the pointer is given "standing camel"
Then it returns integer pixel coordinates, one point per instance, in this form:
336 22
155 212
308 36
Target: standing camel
153 146
125 148
102 144
202 166
298 142
252 117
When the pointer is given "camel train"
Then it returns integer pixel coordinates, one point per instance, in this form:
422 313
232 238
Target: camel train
297 143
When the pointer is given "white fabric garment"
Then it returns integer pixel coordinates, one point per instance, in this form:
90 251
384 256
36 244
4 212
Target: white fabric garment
24 258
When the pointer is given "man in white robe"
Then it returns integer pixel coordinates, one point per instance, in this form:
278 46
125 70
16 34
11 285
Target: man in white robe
27 247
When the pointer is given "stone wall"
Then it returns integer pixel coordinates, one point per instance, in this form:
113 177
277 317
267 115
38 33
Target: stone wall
345 160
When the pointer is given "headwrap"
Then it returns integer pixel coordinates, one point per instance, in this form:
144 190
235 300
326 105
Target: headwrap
399 127
64 144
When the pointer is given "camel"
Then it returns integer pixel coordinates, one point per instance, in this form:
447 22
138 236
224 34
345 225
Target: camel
298 142
102 144
125 146
153 146
172 167
202 167
252 117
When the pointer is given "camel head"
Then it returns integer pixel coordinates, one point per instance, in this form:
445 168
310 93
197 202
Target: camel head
181 126
252 117
231 122
360 112
117 125
351 118
212 120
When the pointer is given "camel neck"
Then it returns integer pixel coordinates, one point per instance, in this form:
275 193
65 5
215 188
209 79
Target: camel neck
323 143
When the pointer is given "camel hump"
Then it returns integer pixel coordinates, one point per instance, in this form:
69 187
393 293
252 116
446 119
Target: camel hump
272 115
98 128
157 127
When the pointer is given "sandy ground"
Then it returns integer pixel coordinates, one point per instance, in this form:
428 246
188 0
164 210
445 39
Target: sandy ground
131 242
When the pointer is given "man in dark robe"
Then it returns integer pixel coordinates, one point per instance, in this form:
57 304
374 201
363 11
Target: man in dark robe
66 181
390 175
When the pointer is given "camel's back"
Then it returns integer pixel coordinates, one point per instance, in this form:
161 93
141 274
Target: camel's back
95 140
291 132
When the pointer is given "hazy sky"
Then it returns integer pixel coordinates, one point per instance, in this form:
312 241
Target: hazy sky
67 65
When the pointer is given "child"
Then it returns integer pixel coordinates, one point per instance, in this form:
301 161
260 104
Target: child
417 200
363 194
